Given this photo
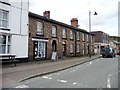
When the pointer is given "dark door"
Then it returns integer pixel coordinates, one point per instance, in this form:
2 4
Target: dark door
54 46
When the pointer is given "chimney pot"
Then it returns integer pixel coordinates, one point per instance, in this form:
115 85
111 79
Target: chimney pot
74 22
46 14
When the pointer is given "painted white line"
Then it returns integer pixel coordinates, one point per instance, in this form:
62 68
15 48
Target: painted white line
108 82
74 83
72 71
45 77
58 74
22 86
49 78
90 62
63 81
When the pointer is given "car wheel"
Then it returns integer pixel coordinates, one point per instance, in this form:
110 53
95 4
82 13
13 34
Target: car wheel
103 56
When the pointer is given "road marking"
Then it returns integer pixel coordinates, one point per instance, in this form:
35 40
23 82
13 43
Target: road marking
108 82
90 62
74 83
45 77
49 78
58 74
63 81
22 86
72 71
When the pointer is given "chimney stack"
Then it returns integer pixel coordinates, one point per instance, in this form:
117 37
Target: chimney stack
74 22
46 14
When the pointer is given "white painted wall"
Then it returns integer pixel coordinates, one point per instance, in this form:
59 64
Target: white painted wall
18 24
19 46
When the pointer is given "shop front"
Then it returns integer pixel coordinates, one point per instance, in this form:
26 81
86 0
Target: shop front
39 51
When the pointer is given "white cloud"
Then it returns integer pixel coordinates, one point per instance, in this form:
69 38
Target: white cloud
64 10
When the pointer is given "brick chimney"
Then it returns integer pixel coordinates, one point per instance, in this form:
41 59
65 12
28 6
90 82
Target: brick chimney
74 22
46 14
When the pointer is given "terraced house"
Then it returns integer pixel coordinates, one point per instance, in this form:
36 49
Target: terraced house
47 35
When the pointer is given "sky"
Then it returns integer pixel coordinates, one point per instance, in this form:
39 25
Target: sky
65 10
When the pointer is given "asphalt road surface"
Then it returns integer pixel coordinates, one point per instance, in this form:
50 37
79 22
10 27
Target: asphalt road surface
100 73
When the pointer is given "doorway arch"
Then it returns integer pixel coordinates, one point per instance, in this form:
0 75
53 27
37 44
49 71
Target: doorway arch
54 46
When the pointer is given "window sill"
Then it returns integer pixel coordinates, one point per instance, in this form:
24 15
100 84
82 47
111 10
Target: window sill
64 38
2 28
40 35
5 3
71 53
54 37
78 40
72 39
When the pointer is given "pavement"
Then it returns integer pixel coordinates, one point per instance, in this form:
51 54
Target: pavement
24 71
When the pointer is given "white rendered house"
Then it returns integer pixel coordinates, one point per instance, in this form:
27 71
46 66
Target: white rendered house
14 27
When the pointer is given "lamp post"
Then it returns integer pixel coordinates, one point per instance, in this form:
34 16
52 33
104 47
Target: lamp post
95 13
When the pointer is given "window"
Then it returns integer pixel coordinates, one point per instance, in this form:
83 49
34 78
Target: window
83 37
40 49
78 48
87 37
71 34
64 32
91 39
5 42
78 36
54 31
71 48
3 18
83 47
39 28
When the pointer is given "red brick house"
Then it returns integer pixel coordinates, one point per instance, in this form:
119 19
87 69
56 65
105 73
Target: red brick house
47 35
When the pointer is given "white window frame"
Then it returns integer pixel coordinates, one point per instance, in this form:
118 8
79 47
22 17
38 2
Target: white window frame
87 37
3 18
83 37
40 28
7 44
71 47
78 48
71 34
54 31
91 39
83 48
64 33
78 35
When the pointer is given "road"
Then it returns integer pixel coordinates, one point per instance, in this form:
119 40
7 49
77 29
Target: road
100 73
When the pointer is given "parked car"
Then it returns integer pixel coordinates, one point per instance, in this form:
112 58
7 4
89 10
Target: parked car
118 53
108 52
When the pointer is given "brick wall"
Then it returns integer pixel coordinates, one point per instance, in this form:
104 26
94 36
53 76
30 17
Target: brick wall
59 40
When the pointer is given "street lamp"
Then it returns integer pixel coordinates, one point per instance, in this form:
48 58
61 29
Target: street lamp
95 13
